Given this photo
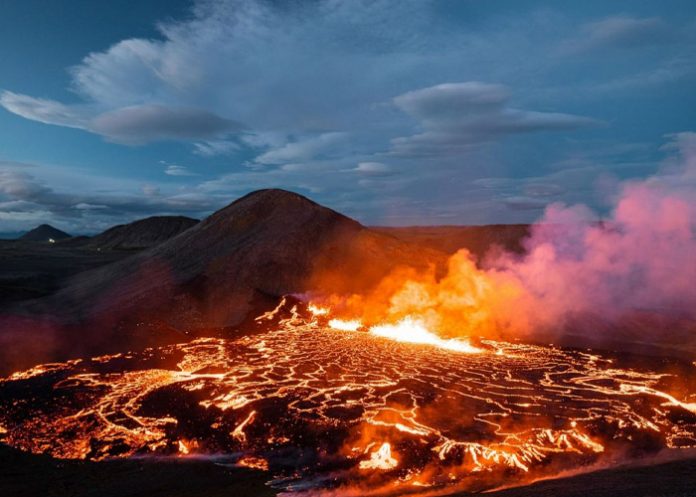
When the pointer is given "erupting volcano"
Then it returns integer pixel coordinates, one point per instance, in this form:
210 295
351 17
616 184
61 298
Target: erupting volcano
347 248
435 378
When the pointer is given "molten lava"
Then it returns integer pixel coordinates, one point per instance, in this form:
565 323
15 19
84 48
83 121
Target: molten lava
380 459
412 331
407 330
383 407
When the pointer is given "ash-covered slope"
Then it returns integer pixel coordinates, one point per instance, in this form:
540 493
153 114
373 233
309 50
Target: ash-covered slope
44 233
143 233
266 244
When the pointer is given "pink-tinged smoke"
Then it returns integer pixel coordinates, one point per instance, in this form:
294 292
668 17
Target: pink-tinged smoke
630 277
641 258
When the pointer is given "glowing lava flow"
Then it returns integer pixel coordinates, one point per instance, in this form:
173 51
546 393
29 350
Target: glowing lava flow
380 459
412 331
345 325
408 330
386 408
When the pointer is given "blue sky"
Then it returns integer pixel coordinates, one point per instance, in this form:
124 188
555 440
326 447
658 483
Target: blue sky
393 112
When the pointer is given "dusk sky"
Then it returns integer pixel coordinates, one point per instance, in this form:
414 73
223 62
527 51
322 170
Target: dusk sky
392 112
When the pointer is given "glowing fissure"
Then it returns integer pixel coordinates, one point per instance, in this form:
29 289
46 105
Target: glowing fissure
301 400
412 331
345 325
407 330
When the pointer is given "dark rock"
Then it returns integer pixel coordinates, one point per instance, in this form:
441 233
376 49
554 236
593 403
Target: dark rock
44 233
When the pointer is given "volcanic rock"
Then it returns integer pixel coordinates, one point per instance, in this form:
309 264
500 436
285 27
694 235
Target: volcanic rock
143 233
44 233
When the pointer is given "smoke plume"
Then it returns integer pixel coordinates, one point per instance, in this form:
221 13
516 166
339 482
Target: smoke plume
640 259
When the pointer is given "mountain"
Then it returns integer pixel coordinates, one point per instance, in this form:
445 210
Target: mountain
141 234
216 274
44 233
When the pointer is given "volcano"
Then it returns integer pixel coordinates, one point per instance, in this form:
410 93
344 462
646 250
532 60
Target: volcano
44 233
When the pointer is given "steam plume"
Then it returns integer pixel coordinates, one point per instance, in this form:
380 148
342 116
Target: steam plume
643 257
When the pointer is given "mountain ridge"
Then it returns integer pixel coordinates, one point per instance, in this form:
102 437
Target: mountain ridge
142 233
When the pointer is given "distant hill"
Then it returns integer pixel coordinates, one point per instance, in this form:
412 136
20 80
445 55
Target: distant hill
141 234
44 233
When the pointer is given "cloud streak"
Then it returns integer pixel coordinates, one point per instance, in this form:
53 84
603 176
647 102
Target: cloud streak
455 115
132 125
618 32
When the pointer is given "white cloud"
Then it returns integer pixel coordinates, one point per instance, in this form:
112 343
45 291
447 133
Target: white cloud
84 206
45 111
454 116
305 149
29 193
132 125
373 169
212 148
176 170
19 184
619 31
150 190
314 95
302 72
147 123
452 100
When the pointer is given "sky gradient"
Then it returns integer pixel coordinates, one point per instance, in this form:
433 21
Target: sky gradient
392 112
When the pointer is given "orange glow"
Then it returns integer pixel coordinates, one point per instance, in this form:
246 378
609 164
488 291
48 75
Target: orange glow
345 325
410 330
183 449
317 311
465 302
253 463
238 432
380 459
389 395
